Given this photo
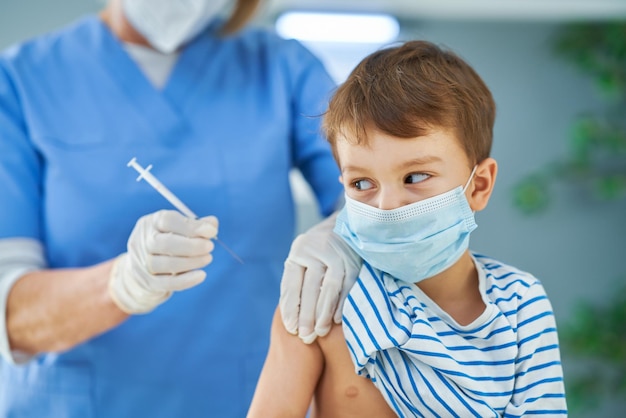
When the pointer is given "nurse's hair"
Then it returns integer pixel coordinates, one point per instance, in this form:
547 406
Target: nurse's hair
242 13
407 90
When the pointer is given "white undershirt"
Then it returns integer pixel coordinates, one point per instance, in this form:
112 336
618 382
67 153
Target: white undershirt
18 256
155 65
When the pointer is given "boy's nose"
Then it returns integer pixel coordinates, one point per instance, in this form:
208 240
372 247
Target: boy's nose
391 199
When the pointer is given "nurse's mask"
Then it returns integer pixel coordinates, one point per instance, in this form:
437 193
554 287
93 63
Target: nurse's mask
168 24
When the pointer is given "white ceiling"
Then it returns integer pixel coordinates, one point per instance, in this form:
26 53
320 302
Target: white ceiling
560 10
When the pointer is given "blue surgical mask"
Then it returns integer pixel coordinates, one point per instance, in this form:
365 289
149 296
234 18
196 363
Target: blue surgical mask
413 242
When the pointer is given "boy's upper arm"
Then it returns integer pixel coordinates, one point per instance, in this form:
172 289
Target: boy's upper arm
289 377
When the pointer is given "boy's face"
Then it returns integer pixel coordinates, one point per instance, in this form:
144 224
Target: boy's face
392 172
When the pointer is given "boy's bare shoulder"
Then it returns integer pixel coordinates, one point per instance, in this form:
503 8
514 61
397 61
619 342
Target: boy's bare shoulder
340 391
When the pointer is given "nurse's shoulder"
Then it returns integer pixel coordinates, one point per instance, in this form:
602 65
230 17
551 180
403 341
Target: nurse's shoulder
46 48
266 43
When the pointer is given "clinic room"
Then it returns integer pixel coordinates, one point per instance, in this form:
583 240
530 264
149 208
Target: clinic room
289 208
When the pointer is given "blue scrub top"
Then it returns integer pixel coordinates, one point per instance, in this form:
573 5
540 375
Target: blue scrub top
236 115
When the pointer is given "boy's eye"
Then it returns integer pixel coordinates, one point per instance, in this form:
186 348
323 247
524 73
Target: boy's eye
416 178
362 185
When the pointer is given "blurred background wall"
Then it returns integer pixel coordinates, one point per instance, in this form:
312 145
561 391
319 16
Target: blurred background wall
577 246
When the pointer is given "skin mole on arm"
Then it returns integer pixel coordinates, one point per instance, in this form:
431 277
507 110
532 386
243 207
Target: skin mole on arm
352 391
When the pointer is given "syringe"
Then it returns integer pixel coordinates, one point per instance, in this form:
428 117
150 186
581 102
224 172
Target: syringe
144 173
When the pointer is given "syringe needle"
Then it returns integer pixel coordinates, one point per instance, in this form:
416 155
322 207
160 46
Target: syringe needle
228 249
144 173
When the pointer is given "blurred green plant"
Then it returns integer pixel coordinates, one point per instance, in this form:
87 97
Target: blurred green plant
597 142
596 335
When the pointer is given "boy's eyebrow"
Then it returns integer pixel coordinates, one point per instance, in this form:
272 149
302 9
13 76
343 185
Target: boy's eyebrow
352 168
427 159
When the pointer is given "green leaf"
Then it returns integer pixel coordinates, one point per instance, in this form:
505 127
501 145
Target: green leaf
609 84
584 132
610 187
531 195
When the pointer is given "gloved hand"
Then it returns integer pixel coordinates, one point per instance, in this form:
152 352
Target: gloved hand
165 251
319 272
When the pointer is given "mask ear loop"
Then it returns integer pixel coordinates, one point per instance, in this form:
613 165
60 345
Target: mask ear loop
470 178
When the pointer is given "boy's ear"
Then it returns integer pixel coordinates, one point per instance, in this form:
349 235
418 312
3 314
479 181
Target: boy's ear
482 184
341 179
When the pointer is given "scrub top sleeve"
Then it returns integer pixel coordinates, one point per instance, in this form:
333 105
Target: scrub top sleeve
20 166
312 88
18 256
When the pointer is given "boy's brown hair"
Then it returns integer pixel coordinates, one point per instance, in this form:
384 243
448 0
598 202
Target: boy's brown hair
406 91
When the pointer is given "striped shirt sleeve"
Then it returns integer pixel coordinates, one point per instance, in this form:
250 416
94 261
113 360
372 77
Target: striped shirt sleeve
539 388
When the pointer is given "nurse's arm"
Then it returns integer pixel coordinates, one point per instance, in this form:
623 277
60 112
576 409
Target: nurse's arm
55 310
289 377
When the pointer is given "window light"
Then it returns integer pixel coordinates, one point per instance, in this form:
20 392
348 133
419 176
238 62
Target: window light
338 27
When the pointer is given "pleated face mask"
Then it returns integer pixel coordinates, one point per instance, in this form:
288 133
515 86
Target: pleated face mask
413 242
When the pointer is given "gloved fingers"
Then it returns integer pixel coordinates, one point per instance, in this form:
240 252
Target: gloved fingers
352 260
353 269
329 296
162 264
176 222
209 226
308 339
178 245
173 282
128 287
352 264
311 285
290 291
347 285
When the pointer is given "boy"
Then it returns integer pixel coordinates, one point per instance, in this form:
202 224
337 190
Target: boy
437 329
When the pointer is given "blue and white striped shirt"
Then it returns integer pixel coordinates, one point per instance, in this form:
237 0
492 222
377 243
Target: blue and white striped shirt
505 363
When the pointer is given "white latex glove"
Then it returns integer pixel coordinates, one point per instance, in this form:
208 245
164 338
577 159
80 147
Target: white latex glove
165 252
319 272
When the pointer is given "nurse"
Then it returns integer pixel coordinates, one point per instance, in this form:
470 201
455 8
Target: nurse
111 303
